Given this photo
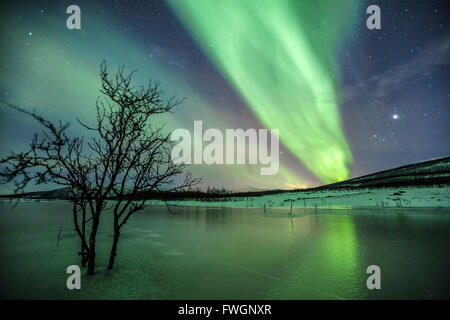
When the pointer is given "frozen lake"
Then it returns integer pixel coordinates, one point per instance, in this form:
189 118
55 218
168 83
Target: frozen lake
217 253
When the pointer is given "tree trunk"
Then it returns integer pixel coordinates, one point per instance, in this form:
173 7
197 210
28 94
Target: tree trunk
91 252
83 244
83 255
112 256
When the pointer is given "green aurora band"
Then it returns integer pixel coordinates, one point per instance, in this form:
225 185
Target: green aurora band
280 56
56 71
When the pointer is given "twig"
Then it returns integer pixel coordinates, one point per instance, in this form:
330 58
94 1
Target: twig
59 235
168 208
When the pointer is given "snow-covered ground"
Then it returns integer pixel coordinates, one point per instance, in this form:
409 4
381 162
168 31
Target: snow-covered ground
402 197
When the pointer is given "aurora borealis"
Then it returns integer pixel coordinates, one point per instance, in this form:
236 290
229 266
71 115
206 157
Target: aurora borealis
286 74
347 101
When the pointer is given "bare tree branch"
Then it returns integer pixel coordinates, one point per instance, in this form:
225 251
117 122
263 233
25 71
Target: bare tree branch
126 159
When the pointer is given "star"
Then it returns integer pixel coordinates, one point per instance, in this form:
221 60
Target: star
395 116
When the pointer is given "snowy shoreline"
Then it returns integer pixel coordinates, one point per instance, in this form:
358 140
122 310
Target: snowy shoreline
412 197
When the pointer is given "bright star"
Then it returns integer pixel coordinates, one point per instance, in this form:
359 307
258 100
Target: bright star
395 116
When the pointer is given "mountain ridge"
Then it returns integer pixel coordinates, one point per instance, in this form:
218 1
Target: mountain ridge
425 173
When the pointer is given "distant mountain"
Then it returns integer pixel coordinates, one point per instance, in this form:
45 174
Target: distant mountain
60 193
250 189
425 173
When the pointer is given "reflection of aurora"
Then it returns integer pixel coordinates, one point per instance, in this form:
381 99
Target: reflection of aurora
307 257
279 56
339 252
329 267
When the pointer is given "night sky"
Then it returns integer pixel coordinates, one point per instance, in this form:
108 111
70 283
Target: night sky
348 101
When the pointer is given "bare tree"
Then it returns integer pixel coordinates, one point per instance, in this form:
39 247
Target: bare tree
141 159
126 159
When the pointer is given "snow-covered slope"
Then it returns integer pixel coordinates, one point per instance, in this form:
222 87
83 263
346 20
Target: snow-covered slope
424 184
